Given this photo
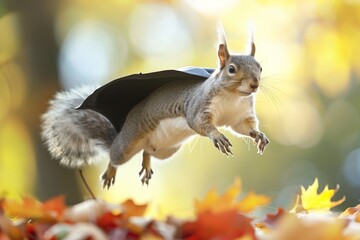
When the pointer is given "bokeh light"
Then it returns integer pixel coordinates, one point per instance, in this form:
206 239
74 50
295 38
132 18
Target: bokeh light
352 168
88 54
158 34
17 159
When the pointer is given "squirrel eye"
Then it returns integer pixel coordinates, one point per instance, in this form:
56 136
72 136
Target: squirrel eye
260 69
232 69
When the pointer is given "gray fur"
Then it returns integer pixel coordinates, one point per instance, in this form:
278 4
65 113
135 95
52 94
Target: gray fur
160 123
76 137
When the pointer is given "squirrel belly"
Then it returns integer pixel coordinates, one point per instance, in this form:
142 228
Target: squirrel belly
168 136
76 137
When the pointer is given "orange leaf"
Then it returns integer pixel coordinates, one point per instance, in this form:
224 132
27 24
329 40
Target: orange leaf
55 206
31 208
228 200
28 208
251 201
352 211
221 225
130 209
310 200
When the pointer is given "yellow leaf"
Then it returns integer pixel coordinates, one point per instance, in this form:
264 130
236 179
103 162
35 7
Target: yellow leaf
228 201
310 200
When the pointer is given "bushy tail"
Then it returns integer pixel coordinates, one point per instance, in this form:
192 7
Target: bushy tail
76 137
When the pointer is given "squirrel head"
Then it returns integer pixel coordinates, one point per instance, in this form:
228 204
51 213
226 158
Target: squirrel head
237 73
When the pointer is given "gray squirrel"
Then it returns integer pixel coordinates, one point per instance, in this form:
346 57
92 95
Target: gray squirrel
159 124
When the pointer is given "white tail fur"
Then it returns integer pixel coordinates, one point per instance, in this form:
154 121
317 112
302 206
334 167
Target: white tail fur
76 137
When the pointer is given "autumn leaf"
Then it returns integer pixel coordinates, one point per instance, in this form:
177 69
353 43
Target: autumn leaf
311 200
108 221
271 220
55 206
7 228
218 225
352 211
30 208
130 209
228 201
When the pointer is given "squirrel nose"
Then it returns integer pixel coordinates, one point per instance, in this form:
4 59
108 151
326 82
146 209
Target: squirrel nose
254 85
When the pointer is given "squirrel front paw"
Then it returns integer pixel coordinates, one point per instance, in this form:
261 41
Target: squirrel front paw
221 143
108 177
260 140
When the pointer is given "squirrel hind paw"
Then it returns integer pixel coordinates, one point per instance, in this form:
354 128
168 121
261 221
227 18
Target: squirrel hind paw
146 175
108 177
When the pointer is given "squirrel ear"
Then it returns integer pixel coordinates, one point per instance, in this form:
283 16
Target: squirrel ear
253 48
223 54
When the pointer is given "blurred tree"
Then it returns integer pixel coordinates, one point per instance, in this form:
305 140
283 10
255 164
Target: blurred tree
38 56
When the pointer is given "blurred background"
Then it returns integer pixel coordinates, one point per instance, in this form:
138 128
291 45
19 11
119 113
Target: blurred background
309 104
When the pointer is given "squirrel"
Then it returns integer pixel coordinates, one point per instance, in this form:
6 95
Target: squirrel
160 123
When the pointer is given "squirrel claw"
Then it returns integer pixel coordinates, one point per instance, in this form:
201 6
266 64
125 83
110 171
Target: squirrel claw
147 175
222 143
260 140
108 177
107 183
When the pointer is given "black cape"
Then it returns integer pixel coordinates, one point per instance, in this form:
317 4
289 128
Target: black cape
115 99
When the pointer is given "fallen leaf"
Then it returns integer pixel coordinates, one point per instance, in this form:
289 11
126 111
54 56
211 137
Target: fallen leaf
271 220
352 212
108 221
30 208
55 206
218 225
131 209
310 200
252 201
228 201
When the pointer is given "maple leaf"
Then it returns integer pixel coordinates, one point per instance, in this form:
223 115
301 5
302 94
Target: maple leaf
228 201
30 208
218 225
310 200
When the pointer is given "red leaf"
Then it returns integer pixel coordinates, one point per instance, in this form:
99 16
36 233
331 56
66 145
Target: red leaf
222 225
109 221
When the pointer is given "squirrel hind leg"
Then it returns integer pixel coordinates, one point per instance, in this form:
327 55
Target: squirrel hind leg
146 170
108 177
